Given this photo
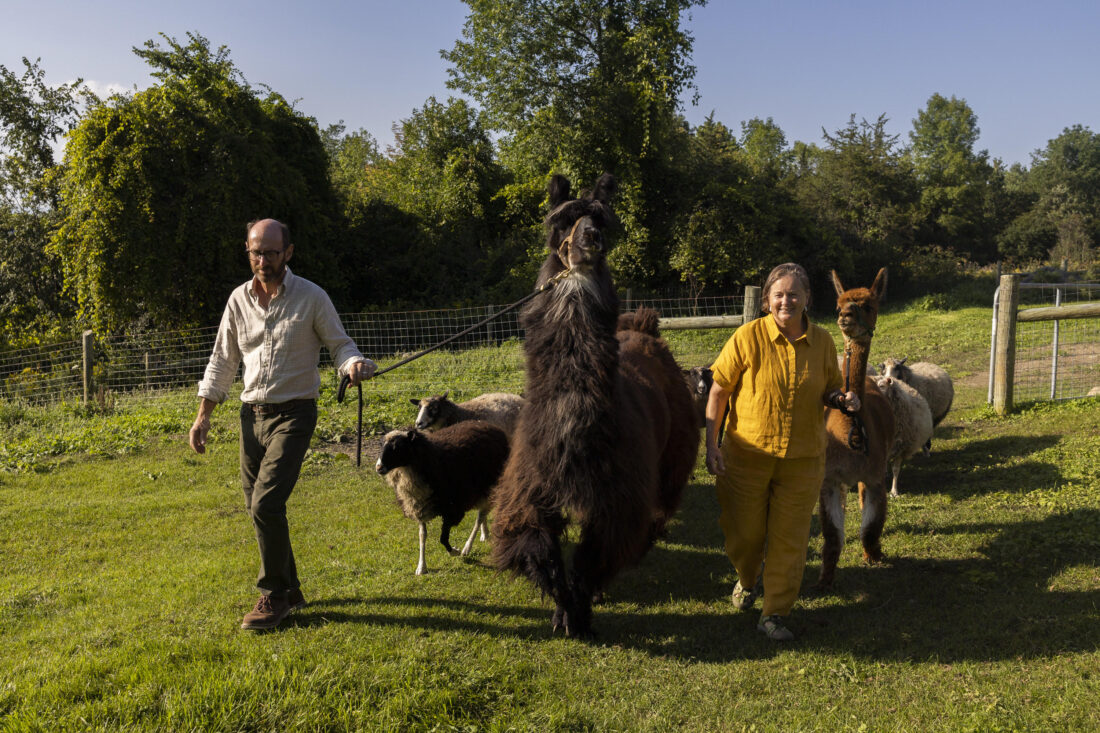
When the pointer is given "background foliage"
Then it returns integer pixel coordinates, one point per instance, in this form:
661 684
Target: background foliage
140 226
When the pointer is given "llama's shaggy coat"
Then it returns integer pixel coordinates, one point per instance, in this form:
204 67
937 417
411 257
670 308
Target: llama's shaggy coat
498 408
607 438
912 423
931 380
857 445
444 474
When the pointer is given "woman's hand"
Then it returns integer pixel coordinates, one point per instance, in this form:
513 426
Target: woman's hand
851 402
716 465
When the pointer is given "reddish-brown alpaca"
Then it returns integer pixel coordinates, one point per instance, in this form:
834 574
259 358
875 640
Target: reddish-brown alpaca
857 444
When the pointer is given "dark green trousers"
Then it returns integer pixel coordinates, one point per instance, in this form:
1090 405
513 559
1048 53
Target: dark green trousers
273 444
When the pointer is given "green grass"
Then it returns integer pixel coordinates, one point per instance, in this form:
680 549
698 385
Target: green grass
128 563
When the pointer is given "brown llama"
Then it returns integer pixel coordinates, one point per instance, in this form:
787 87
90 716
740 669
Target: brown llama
858 444
607 438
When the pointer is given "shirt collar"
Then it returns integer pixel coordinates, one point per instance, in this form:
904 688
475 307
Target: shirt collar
775 334
284 286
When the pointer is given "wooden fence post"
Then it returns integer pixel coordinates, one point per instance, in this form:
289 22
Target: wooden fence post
89 356
752 303
1005 365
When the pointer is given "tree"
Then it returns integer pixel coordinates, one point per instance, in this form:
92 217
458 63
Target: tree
159 186
586 86
862 193
33 116
954 179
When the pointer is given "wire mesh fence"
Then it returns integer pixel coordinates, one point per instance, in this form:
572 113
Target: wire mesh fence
488 358
1057 359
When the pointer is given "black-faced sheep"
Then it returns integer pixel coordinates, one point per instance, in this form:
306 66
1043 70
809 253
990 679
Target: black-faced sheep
931 380
912 423
444 474
497 408
699 379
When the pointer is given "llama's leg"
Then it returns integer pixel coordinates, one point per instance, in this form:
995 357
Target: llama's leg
479 523
872 499
831 509
421 566
896 466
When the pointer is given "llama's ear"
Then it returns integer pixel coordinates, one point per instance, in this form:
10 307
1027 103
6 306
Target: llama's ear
606 187
878 289
558 189
837 284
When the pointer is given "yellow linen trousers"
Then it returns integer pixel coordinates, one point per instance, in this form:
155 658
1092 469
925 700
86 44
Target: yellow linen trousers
767 503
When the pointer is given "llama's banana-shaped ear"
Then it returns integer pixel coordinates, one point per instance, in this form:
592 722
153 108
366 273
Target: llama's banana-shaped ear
605 189
878 289
837 284
558 189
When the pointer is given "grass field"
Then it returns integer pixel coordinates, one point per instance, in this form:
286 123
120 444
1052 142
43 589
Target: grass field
128 563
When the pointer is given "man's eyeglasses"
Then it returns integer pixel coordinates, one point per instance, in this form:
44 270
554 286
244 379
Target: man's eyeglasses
270 254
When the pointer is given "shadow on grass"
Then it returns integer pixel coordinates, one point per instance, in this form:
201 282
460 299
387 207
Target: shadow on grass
977 468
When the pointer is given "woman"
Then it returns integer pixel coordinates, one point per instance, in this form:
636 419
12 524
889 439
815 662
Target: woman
775 374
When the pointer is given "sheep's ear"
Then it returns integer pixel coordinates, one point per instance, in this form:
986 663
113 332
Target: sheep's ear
446 394
558 190
902 360
837 284
878 289
605 189
414 401
410 433
882 368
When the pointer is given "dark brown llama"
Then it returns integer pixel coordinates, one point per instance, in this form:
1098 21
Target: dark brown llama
607 438
858 444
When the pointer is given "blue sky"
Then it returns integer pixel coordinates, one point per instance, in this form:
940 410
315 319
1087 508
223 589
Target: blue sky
1027 69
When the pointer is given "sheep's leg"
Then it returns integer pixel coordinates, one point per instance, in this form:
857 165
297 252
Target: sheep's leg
872 500
445 535
479 523
421 566
831 507
896 466
483 519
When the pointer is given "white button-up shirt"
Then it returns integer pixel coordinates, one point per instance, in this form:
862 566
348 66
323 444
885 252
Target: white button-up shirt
280 345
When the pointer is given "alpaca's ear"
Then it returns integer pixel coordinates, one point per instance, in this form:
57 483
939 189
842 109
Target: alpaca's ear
558 189
606 187
878 289
837 284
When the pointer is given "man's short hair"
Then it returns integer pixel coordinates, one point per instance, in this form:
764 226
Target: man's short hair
282 227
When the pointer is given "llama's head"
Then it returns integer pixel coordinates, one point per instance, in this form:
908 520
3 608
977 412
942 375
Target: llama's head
857 309
575 226
397 450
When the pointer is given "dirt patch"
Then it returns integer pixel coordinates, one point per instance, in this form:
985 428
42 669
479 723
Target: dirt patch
372 446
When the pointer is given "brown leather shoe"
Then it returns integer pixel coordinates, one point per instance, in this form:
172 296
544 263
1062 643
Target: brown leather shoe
295 599
268 613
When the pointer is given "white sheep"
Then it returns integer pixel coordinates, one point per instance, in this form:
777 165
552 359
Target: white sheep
498 408
912 423
444 474
931 380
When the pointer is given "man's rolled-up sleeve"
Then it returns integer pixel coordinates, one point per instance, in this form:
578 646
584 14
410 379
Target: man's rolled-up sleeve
224 361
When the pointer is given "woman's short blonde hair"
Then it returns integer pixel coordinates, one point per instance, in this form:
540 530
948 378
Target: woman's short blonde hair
798 272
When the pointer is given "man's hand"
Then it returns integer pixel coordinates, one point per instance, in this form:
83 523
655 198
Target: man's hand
198 435
361 371
201 428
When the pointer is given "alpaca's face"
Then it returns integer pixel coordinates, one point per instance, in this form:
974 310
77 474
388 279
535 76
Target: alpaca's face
857 314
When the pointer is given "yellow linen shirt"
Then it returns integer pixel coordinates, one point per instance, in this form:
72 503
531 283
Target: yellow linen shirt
776 406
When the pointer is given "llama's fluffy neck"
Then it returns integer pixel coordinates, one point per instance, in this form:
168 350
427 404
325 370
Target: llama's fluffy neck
572 352
856 354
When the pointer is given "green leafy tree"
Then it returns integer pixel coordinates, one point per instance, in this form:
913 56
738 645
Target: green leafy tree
33 116
586 86
159 185
861 190
955 181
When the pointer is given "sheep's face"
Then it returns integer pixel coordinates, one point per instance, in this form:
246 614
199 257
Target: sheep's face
396 451
699 380
895 368
430 414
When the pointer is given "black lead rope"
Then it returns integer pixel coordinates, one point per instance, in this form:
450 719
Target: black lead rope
346 380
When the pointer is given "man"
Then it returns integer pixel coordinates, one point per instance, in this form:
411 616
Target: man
275 323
